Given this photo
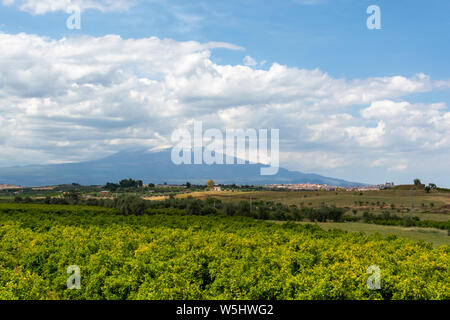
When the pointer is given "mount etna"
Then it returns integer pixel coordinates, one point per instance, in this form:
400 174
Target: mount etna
155 167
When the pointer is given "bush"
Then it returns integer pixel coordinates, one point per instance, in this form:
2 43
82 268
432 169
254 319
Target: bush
335 214
229 209
325 213
130 205
168 257
368 216
194 207
208 210
262 212
244 208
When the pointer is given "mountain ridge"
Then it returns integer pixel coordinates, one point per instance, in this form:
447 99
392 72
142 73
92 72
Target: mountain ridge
155 167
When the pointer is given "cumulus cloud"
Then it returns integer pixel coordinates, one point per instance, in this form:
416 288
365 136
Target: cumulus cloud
80 98
45 6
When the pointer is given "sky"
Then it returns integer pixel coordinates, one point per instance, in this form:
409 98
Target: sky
366 105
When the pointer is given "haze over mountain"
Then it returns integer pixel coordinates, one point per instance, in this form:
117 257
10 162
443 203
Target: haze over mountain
155 167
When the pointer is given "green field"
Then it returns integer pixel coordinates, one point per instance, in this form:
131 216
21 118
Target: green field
433 206
423 202
435 236
378 201
204 257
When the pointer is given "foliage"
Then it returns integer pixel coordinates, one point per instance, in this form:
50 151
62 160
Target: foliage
203 257
386 218
130 183
72 196
112 186
210 184
265 210
124 184
128 204
194 207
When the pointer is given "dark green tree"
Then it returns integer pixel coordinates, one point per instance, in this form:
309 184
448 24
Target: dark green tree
112 186
229 209
244 208
263 212
129 204
194 207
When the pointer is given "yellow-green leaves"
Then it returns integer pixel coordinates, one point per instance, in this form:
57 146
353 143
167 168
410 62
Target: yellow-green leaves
203 257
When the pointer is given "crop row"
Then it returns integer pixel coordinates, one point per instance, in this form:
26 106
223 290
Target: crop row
203 257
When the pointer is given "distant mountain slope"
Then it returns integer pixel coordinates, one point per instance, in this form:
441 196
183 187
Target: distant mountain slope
155 167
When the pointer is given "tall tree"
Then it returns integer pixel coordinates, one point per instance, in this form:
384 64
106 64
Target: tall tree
210 184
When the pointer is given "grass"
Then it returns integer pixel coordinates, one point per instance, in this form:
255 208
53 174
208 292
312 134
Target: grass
426 206
435 236
400 198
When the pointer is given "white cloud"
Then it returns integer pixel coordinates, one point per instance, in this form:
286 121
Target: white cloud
386 108
399 167
78 98
45 6
187 21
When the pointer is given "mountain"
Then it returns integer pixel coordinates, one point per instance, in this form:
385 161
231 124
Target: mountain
155 167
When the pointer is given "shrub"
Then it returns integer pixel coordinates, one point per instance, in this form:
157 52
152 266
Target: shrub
230 209
244 208
165 256
129 204
262 212
208 210
194 207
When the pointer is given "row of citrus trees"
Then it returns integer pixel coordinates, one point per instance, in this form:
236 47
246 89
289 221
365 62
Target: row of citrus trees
203 257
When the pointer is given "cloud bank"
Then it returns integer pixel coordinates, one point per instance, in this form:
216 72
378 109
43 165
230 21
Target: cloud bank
80 98
45 6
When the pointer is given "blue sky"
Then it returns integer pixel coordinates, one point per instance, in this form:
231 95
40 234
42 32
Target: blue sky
324 35
330 35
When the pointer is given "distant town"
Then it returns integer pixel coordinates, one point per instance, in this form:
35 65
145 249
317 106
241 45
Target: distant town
325 187
287 187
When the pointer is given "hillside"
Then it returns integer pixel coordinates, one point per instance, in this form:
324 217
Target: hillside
155 167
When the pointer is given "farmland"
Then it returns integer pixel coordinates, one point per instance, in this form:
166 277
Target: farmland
236 244
426 206
161 256
431 210
370 200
